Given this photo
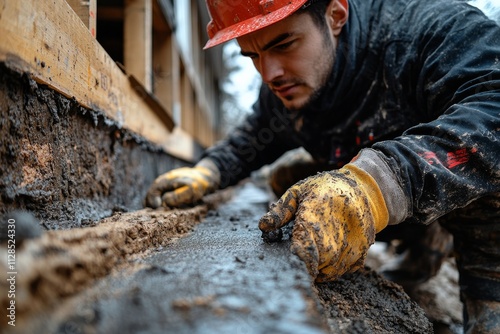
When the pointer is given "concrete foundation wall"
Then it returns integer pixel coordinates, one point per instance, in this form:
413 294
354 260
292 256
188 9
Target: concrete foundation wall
67 165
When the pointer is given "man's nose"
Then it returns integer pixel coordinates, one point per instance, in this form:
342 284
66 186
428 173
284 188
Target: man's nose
271 69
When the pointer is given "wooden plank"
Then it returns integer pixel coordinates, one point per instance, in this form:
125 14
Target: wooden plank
93 17
187 113
152 102
176 89
87 11
138 40
163 54
48 40
181 144
163 78
163 16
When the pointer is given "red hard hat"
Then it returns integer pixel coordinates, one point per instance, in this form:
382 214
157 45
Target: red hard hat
235 18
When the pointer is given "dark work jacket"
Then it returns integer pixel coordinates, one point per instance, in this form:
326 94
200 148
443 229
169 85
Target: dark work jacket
416 80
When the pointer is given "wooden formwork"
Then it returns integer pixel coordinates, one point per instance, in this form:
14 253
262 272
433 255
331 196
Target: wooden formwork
121 57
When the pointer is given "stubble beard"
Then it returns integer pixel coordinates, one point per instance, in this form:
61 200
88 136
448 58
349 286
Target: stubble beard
312 102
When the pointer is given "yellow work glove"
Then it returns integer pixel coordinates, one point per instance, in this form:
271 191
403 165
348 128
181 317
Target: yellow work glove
183 186
337 215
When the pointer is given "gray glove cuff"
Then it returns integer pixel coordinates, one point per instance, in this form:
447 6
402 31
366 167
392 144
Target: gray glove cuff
397 203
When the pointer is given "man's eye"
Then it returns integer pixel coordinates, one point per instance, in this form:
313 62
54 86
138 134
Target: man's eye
284 46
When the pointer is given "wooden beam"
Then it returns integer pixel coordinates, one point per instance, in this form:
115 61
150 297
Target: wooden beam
154 104
163 16
87 11
138 40
188 115
47 40
163 78
176 89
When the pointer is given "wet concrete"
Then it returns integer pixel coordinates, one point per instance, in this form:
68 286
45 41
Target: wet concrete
222 278
59 264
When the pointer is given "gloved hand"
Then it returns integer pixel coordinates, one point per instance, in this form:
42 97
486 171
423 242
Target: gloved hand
337 215
184 185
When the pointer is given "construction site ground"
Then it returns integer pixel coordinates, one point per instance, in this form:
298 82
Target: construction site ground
206 270
90 259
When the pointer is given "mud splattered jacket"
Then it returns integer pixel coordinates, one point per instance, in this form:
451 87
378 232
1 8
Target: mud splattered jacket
418 82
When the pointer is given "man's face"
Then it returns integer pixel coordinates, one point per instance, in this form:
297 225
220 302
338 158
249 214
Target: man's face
293 56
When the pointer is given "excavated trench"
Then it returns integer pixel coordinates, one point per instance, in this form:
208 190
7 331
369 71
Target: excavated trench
143 272
100 263
69 165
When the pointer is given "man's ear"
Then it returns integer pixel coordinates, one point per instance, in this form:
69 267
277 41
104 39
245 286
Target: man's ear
336 15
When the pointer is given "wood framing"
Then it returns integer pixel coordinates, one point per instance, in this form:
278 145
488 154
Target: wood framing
138 40
87 11
49 40
126 62
165 60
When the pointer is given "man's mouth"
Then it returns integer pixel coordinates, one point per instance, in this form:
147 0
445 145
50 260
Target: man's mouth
285 90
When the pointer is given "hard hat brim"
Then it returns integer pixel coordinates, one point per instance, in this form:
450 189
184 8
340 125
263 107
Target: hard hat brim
253 24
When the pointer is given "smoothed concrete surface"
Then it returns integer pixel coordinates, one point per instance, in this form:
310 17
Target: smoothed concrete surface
220 279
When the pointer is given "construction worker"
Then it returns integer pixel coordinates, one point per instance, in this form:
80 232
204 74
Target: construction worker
398 104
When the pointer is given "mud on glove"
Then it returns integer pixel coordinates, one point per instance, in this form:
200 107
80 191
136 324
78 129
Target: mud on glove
183 186
337 215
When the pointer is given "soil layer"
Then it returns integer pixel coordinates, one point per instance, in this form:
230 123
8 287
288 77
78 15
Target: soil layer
67 165
223 278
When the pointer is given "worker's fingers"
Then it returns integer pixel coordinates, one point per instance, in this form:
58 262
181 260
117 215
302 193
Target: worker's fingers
305 247
155 192
177 180
281 212
186 194
153 200
170 188
163 184
185 181
179 196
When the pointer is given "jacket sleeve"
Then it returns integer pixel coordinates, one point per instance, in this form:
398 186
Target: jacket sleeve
259 140
454 159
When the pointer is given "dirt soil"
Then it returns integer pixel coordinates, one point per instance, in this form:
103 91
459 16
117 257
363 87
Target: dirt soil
364 302
219 278
68 165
